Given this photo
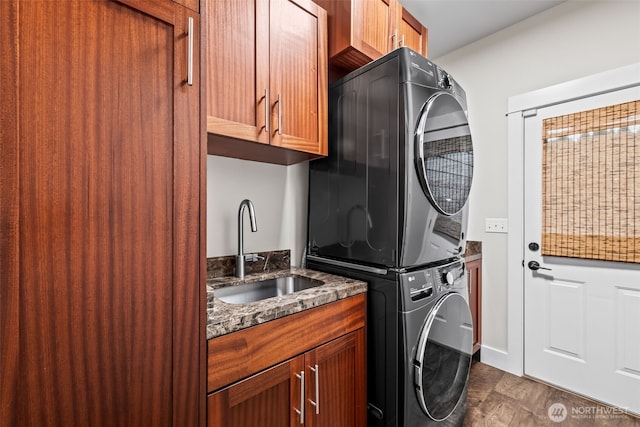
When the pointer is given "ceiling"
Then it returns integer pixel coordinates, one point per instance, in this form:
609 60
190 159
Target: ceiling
456 23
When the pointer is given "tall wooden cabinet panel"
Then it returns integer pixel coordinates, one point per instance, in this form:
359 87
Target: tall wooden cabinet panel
266 79
101 301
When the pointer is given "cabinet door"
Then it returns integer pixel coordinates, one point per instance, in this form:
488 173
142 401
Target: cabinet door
411 33
271 398
474 277
373 26
336 385
298 75
237 63
100 321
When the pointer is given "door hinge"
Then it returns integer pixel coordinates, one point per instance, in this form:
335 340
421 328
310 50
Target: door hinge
530 113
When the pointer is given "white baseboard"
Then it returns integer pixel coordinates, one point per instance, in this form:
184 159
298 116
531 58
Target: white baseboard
498 359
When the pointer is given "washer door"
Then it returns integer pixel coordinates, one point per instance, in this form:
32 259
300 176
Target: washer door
443 357
444 153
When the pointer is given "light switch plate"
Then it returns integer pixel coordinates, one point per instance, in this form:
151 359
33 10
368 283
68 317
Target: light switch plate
496 225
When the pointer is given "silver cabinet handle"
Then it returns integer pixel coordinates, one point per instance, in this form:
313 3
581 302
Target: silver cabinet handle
266 110
301 410
317 402
279 102
190 52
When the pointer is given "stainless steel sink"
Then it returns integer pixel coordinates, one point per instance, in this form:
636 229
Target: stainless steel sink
257 291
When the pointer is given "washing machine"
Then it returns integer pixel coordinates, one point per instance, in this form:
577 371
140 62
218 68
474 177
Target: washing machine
419 341
438 340
393 190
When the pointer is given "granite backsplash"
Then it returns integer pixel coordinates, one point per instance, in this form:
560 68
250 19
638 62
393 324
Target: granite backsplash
271 261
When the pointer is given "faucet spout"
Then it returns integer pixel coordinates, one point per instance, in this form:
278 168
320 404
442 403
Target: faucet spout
246 203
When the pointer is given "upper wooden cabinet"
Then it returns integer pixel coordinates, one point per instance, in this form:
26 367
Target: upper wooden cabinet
363 30
359 30
102 306
410 32
266 79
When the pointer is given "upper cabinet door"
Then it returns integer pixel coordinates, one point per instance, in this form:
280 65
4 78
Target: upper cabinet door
411 33
299 91
373 26
237 62
361 31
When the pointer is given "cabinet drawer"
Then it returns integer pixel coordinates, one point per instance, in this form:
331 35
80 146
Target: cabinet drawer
239 354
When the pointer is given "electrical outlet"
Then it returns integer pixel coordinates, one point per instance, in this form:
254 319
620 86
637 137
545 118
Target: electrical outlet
496 225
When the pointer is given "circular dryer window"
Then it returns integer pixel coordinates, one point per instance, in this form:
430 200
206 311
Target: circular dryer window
444 153
443 357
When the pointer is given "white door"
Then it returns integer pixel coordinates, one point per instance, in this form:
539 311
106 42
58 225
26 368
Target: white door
582 315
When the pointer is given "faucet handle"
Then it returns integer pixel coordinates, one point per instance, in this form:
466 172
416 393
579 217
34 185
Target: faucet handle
253 257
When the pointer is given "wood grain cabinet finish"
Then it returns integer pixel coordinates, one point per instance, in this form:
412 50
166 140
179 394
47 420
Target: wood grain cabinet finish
474 277
101 300
266 79
260 375
361 31
410 32
326 382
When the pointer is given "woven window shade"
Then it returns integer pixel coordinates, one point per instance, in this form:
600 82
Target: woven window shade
591 184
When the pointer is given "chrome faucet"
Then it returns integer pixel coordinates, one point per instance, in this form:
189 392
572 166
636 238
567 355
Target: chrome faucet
252 218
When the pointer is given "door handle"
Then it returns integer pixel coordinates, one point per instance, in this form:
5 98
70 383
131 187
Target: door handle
266 111
301 410
535 266
314 369
190 51
279 102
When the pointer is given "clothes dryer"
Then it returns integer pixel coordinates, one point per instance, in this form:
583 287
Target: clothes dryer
393 191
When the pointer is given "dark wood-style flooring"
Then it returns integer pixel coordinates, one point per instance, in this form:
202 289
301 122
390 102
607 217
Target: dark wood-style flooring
497 398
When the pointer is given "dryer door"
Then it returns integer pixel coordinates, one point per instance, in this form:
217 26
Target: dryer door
443 357
444 153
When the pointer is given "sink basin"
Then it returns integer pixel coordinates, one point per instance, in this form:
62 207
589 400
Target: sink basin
257 291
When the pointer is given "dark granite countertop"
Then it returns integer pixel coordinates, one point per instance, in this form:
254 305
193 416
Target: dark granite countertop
473 251
223 318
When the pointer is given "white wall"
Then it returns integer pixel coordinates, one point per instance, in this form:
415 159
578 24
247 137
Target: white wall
279 196
575 39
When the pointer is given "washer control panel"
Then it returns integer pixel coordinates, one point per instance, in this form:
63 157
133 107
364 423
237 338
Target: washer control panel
423 286
451 277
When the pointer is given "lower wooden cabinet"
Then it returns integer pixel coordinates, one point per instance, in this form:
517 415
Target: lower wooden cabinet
474 277
308 368
323 387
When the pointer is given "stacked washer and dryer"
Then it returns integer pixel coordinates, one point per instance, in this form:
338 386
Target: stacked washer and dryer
389 206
